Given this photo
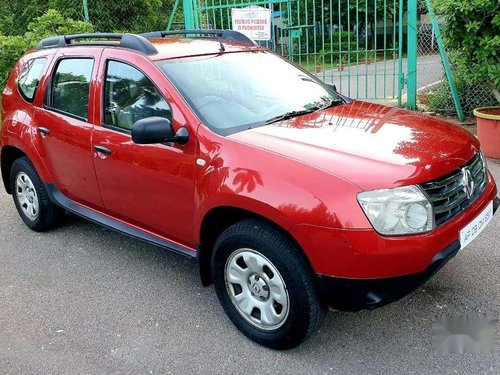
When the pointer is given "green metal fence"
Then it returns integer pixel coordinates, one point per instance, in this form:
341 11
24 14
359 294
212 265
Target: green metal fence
355 44
370 49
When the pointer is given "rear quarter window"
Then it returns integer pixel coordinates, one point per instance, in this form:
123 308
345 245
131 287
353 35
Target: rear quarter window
30 78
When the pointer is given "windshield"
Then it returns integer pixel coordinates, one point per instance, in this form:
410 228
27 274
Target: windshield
236 91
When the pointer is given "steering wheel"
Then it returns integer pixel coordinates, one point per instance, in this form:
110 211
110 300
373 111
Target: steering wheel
210 99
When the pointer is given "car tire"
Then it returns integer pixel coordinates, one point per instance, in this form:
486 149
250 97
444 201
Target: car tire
266 285
31 198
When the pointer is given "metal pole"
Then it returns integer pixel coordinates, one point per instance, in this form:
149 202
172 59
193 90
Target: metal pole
446 63
411 55
85 9
172 15
401 80
187 8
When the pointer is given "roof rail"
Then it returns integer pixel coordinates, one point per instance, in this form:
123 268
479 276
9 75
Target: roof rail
229 35
129 41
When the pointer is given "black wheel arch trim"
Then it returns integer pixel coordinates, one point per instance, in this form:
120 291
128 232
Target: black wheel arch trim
9 154
58 198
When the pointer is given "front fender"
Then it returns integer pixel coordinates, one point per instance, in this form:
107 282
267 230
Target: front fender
209 199
280 189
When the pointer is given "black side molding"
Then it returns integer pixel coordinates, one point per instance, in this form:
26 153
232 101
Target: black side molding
58 198
496 203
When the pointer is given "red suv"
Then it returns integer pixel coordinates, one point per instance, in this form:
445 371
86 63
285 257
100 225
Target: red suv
290 196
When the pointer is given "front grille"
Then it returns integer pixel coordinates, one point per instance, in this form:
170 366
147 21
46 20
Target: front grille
448 194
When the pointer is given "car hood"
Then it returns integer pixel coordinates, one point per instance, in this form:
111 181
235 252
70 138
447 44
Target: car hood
370 145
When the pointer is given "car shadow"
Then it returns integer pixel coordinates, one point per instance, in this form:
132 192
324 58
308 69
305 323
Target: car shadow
126 280
359 332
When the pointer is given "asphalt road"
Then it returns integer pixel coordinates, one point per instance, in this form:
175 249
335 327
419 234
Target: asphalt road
380 80
84 300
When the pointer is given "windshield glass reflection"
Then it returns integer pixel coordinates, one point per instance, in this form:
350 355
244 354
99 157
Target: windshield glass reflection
235 91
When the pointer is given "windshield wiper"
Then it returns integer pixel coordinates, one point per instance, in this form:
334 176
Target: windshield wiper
291 114
331 103
288 115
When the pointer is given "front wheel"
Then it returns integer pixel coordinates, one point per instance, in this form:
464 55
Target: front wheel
265 285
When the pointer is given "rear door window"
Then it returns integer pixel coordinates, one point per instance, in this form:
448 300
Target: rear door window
30 78
71 87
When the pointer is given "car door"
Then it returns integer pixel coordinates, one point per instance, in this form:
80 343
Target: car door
150 186
64 123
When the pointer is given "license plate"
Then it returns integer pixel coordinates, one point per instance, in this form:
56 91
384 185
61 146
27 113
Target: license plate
476 226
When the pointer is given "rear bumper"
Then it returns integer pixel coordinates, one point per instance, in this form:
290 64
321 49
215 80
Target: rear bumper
358 294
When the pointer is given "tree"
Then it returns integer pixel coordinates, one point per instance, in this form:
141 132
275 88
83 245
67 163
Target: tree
107 16
472 29
24 23
49 24
136 16
15 15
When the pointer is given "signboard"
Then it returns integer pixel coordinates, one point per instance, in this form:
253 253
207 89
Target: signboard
253 21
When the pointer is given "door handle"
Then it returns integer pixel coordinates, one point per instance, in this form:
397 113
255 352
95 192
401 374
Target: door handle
103 150
43 130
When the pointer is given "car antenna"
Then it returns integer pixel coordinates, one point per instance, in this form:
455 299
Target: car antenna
221 46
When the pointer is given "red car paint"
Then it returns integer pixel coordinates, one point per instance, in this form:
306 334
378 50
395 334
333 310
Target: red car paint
302 174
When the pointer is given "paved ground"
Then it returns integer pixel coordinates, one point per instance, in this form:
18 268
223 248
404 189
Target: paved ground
367 81
83 300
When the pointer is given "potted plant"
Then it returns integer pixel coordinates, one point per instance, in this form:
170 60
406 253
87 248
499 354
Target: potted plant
472 29
488 130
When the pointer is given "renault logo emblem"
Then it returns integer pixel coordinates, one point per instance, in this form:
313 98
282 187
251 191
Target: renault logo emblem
468 183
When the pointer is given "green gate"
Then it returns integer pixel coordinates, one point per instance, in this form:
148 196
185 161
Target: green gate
355 44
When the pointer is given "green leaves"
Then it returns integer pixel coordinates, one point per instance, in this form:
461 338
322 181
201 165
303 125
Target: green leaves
53 23
472 29
472 26
472 94
49 24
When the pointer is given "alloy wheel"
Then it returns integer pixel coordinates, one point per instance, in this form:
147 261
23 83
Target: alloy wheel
256 289
27 196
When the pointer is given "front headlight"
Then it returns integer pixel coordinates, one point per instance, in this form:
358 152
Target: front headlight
404 210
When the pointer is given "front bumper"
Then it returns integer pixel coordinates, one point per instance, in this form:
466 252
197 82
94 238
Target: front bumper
358 294
354 253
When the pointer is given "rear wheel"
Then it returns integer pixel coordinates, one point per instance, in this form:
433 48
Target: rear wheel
265 285
31 198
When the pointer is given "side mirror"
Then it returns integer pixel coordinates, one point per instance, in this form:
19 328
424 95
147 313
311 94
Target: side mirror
152 130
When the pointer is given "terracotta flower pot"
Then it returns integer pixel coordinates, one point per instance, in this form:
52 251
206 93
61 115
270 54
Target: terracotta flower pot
488 130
